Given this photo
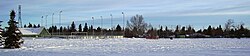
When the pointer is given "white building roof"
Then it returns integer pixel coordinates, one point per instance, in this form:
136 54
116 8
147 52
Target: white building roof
31 31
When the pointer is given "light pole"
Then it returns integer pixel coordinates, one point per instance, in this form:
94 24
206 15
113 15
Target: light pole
93 31
111 17
46 21
52 24
60 13
123 17
101 25
42 21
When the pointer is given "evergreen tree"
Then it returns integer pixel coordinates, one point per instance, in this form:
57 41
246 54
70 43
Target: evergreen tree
34 26
167 32
30 25
232 33
14 38
166 28
219 30
98 29
1 32
80 28
209 30
25 26
50 29
177 31
190 30
204 31
242 31
128 33
61 29
91 28
72 28
160 31
65 29
199 31
68 29
118 28
152 34
55 29
85 29
183 30
38 26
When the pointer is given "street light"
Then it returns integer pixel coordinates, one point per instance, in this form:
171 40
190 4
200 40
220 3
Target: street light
101 25
52 24
42 21
123 16
46 21
93 31
111 17
60 21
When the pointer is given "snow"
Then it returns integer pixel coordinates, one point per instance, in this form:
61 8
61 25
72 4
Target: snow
131 47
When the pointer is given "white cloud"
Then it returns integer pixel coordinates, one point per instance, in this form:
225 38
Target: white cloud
217 13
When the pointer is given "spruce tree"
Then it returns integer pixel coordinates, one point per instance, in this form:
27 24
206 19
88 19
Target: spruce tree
80 28
72 28
61 29
1 32
14 38
177 31
38 26
25 26
98 29
34 26
118 28
85 29
30 25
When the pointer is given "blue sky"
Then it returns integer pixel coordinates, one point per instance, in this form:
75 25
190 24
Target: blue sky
197 13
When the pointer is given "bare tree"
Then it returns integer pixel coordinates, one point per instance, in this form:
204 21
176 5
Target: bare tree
137 25
229 24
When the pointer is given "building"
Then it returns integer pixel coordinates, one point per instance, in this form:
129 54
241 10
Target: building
34 32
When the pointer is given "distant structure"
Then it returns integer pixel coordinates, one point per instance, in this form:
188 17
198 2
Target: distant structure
19 17
34 32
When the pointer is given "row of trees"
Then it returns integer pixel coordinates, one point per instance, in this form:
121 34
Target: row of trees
136 27
32 26
86 28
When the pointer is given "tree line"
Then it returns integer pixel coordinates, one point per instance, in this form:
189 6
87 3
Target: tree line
86 28
136 27
31 25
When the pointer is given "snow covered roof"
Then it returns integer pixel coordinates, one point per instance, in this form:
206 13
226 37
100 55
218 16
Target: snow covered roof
31 31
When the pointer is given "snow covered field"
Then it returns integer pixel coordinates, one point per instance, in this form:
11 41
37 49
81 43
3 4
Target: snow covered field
131 47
